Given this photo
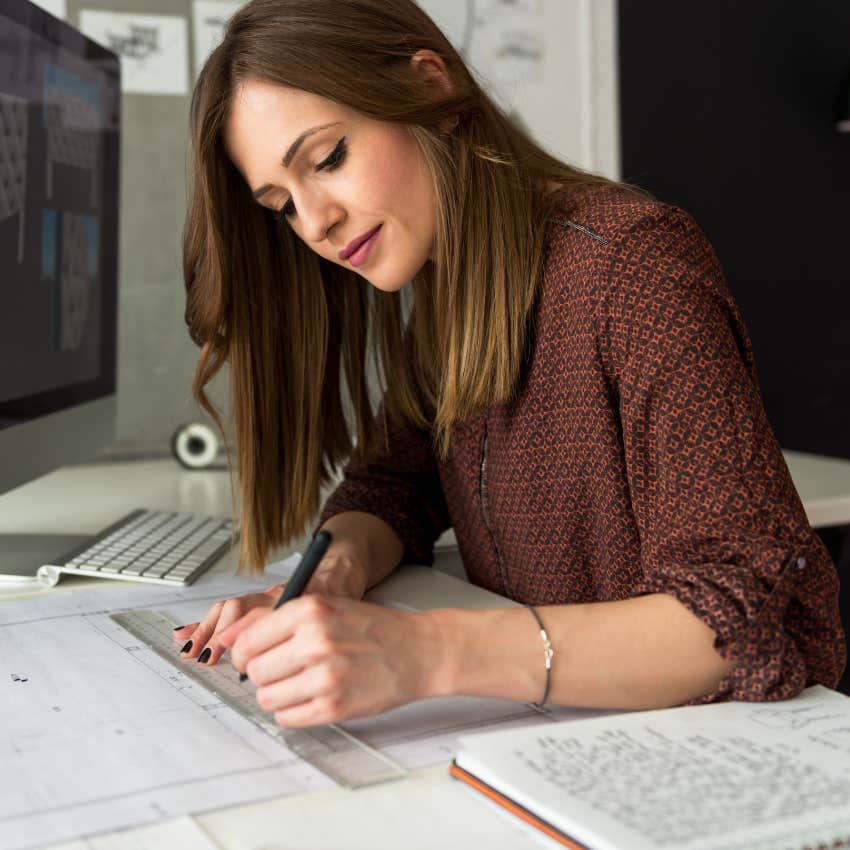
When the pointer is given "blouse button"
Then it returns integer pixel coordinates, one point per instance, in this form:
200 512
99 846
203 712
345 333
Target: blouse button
801 563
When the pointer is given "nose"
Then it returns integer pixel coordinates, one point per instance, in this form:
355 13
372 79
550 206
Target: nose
319 213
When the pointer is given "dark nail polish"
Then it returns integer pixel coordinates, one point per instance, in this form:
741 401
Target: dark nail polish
205 656
177 628
187 646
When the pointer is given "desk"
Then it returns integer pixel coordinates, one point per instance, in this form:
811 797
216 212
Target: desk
824 486
427 809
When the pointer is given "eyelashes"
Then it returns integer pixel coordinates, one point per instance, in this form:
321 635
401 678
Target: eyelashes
333 161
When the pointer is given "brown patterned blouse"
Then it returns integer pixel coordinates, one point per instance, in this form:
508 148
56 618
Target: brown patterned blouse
636 458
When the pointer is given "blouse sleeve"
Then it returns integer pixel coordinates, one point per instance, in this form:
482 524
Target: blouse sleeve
722 528
399 483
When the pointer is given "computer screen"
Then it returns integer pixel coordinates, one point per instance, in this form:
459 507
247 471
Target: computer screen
59 169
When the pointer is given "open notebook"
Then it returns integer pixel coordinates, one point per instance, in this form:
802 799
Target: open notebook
726 776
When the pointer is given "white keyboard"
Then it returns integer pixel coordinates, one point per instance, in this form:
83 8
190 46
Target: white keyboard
161 547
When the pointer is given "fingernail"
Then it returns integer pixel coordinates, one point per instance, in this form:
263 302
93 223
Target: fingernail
177 628
187 646
205 656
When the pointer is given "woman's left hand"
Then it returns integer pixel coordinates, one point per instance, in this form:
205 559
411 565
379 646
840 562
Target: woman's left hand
322 660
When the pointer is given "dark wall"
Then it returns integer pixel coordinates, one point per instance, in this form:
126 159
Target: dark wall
727 111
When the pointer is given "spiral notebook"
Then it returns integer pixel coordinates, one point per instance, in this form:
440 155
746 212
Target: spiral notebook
725 776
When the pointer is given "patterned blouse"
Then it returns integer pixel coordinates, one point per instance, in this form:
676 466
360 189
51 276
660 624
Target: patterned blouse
636 457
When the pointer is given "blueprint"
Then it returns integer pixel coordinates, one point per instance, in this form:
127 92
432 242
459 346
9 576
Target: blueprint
97 732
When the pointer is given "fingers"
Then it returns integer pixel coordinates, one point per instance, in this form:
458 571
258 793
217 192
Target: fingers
183 633
227 637
201 640
202 631
318 660
232 611
309 697
252 638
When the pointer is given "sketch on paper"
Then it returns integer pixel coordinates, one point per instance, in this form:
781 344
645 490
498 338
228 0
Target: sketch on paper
153 49
517 55
501 40
782 717
527 7
14 130
208 21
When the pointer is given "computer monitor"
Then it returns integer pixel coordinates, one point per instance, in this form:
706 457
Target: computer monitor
60 99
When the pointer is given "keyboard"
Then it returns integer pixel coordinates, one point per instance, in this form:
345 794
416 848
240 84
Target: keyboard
160 547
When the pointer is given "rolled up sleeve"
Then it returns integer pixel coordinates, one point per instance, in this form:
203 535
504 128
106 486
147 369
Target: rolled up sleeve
722 528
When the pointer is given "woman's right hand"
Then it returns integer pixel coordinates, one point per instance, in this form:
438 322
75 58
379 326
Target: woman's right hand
340 573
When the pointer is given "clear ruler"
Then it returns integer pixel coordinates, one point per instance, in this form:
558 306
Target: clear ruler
335 752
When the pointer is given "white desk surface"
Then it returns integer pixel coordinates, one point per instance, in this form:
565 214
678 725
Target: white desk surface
824 486
426 810
101 492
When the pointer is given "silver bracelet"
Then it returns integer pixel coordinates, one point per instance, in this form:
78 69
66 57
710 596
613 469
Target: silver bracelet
548 652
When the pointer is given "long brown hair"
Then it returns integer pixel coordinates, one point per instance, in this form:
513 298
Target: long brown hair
295 329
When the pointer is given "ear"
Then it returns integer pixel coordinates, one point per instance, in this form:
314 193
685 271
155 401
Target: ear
432 69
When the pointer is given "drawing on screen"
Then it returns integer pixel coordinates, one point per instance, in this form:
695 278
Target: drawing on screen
13 162
78 277
72 117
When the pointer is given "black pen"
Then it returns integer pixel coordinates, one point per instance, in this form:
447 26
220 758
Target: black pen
303 572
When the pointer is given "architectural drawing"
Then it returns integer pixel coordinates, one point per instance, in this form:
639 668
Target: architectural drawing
72 117
13 162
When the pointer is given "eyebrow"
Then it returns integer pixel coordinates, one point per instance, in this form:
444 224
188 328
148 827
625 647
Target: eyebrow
290 154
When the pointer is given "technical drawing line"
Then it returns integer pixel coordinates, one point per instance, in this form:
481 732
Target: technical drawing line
160 786
167 601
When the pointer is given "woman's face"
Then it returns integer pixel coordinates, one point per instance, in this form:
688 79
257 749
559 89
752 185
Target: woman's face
341 182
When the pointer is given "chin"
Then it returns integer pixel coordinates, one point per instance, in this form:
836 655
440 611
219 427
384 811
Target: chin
390 281
388 285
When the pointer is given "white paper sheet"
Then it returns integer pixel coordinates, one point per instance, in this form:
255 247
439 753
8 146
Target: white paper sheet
99 733
121 596
177 834
57 8
208 20
153 49
428 811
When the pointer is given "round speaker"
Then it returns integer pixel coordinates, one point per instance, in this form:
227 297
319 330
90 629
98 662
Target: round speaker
195 445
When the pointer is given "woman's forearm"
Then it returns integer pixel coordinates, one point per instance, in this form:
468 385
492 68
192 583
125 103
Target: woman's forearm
647 652
368 540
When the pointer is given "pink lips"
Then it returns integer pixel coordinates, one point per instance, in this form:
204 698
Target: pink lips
352 246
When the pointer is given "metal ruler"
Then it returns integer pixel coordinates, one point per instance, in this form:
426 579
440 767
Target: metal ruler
336 753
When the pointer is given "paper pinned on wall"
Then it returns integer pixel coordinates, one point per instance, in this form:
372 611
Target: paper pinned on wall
208 20
57 8
501 40
527 7
153 49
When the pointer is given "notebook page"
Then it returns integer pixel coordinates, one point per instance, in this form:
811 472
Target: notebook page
731 776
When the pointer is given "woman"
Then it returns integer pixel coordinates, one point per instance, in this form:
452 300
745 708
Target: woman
574 393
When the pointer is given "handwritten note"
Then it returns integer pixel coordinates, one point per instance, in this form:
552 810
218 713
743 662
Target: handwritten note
717 777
